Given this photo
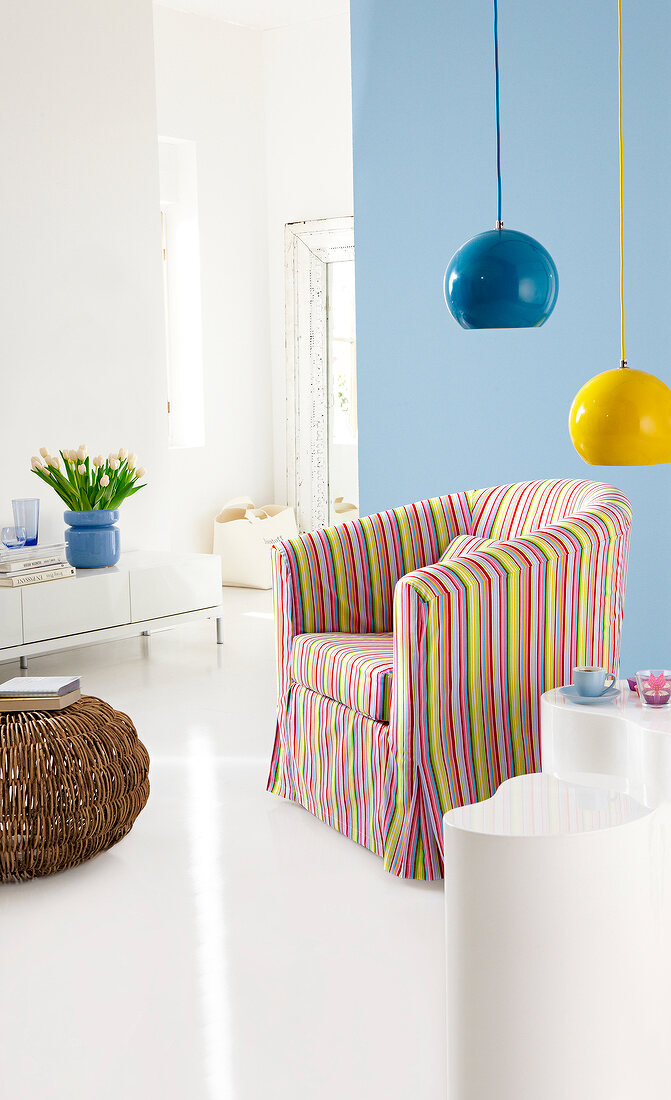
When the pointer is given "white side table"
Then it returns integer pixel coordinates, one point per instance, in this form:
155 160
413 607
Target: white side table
556 947
621 743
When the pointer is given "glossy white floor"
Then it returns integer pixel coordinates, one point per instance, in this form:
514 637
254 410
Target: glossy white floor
231 946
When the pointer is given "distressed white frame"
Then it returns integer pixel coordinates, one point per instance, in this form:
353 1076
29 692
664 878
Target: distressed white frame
308 248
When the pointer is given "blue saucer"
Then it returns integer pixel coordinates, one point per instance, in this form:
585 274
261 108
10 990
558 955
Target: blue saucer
570 692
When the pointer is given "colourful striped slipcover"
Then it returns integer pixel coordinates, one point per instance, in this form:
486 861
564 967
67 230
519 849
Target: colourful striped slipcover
408 684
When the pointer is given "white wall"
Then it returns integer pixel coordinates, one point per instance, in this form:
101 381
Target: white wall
209 78
80 283
308 162
80 278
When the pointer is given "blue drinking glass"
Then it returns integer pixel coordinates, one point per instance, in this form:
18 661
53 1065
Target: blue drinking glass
13 537
27 514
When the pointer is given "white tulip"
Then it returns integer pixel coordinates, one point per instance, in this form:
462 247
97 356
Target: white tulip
35 463
81 453
55 462
98 461
44 451
132 459
104 481
112 457
81 468
141 472
123 454
70 455
114 463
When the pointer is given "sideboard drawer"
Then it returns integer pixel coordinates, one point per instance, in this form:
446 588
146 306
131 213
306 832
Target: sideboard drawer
173 584
92 600
11 632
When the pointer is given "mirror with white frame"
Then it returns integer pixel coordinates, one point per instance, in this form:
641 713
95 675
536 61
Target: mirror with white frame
322 441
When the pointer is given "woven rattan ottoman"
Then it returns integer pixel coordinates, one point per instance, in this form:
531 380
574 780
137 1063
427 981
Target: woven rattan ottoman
72 783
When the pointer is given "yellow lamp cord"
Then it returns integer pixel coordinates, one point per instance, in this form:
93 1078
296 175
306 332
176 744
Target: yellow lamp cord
623 358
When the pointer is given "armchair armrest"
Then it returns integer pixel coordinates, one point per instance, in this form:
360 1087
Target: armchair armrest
477 640
343 578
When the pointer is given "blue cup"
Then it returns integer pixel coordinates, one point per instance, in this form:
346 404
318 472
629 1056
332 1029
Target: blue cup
27 514
590 681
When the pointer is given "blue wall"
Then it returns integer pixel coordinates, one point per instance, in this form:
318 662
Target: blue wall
441 408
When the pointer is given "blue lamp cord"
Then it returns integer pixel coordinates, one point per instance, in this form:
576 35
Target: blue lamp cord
498 110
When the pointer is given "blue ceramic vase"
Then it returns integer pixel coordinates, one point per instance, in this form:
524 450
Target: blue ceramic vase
91 539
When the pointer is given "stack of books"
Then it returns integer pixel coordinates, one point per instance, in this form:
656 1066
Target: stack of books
33 564
39 693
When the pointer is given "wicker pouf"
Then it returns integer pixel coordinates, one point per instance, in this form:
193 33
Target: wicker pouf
72 783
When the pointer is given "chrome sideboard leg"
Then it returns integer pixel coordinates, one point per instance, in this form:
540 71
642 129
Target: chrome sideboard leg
23 663
220 631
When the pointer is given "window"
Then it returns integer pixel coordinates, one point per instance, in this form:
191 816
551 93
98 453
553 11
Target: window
182 297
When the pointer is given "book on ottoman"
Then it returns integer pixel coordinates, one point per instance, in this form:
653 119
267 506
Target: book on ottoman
39 693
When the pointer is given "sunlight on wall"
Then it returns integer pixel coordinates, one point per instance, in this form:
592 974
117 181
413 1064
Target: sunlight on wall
182 294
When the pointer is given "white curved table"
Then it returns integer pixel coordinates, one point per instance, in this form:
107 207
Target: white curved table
623 744
557 967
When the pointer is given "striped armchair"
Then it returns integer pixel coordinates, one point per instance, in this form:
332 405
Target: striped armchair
413 647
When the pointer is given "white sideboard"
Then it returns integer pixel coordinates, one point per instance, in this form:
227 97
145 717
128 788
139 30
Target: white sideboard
144 591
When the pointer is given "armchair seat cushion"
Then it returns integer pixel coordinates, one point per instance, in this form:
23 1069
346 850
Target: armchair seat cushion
462 546
354 669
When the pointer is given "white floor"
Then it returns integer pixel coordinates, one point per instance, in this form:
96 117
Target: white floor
231 946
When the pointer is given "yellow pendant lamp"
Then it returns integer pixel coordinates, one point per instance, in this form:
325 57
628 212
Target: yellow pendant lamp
622 417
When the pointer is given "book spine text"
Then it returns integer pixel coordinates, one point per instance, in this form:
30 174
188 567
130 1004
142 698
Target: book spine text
35 578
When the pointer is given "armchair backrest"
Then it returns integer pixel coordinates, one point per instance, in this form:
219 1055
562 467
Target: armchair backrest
513 511
343 578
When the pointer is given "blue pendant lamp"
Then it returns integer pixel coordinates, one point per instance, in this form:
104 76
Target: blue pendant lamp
501 278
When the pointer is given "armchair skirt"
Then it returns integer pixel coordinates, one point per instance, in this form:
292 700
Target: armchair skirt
413 647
